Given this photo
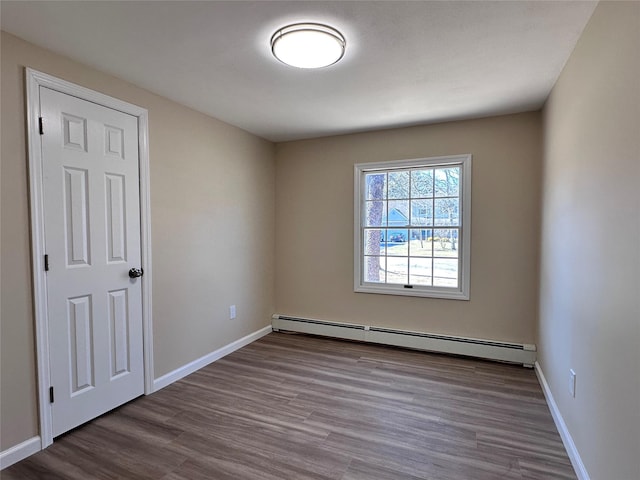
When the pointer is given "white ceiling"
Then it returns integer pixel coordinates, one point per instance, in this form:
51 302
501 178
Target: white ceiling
406 63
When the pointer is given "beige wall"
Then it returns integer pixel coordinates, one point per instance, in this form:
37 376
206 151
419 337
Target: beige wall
212 214
590 269
314 228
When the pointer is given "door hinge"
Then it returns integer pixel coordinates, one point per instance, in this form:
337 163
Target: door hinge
46 263
40 126
50 394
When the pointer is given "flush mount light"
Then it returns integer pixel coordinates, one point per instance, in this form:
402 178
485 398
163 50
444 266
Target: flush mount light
308 45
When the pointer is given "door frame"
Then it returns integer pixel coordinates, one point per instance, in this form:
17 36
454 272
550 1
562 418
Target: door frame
35 80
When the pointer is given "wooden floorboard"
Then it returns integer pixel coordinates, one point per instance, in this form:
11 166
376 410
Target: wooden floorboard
298 407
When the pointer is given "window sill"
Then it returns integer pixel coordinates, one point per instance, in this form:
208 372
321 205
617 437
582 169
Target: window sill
413 292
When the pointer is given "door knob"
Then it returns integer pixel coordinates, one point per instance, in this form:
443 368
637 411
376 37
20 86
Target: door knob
135 272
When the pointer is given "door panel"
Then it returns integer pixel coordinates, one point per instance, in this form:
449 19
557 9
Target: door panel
92 237
119 323
80 328
76 216
116 227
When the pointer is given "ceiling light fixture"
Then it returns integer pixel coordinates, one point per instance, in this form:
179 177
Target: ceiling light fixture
308 45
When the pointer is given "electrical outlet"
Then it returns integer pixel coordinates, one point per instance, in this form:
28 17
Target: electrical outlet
572 383
232 312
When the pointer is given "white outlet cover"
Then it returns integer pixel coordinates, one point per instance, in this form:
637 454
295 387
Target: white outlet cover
572 383
232 312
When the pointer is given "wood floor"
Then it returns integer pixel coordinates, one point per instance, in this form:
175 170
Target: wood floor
298 407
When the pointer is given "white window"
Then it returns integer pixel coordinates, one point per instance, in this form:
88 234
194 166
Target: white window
412 227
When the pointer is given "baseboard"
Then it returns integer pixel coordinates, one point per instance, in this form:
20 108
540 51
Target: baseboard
524 354
20 452
567 440
189 368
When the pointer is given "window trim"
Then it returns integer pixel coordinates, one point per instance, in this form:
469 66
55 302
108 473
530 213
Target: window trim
462 292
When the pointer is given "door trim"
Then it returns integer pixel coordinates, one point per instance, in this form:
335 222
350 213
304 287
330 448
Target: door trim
35 80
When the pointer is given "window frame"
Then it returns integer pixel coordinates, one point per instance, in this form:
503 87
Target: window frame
464 235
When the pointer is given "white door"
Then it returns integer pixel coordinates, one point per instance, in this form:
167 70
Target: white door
92 240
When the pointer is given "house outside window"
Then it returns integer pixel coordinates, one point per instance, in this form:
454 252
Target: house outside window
412 227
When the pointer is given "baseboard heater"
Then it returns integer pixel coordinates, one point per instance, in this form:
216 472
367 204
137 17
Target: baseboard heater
472 347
